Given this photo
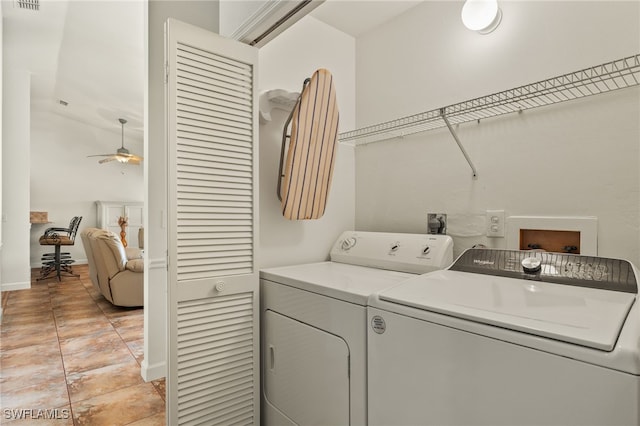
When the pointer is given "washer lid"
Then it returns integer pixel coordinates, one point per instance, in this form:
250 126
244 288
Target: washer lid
350 283
584 316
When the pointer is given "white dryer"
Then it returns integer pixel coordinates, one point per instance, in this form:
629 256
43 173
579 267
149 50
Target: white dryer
508 338
314 324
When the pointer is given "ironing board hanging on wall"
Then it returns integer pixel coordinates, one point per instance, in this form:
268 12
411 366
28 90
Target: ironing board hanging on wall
305 178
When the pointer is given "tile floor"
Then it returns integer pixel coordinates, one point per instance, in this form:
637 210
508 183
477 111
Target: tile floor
69 355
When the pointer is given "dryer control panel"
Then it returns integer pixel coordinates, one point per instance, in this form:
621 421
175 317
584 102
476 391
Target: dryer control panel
413 253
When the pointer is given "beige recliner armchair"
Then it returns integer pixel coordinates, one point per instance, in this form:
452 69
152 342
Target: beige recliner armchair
112 270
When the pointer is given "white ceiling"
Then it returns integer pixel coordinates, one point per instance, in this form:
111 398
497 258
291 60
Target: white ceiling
91 53
356 17
87 53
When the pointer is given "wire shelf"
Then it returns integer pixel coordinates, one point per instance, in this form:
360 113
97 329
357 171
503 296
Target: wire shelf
603 78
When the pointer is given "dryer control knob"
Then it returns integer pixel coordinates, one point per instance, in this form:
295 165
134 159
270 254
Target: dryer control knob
394 247
219 286
531 265
348 243
426 250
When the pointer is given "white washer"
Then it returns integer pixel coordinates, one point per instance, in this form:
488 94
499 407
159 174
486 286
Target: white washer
314 322
507 338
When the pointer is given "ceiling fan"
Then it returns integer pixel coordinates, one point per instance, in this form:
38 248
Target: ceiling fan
122 154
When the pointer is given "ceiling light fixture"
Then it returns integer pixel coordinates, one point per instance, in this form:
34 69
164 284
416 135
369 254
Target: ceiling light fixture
122 154
482 16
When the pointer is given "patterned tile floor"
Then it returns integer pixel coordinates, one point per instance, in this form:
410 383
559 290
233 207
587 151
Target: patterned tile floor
69 357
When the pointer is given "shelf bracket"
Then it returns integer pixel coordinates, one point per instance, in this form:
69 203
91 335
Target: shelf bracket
443 114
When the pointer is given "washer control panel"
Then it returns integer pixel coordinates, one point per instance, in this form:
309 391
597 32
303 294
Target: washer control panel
414 253
561 268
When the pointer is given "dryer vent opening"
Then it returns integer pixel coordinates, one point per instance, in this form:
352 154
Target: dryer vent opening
28 4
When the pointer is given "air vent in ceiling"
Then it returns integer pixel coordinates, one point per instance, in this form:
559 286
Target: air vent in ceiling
28 4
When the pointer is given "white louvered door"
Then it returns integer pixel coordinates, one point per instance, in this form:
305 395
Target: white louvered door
213 318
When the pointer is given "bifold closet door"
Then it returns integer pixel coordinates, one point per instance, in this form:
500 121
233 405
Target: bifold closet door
213 317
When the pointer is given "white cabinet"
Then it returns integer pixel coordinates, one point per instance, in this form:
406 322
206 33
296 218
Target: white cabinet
110 211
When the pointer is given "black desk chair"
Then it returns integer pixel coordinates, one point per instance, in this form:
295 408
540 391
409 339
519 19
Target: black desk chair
59 262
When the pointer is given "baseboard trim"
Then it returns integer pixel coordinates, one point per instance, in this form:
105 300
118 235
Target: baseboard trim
154 372
16 286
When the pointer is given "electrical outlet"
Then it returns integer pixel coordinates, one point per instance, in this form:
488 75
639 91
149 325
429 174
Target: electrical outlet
495 223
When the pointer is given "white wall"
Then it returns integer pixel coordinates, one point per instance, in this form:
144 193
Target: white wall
1 73
16 273
65 183
19 71
205 15
573 159
285 62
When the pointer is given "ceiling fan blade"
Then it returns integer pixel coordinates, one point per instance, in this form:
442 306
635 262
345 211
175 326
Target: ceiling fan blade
106 160
99 155
130 158
123 158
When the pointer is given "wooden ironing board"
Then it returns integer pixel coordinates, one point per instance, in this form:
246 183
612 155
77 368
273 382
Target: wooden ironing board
306 178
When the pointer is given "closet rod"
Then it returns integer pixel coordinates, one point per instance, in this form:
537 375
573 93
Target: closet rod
614 75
